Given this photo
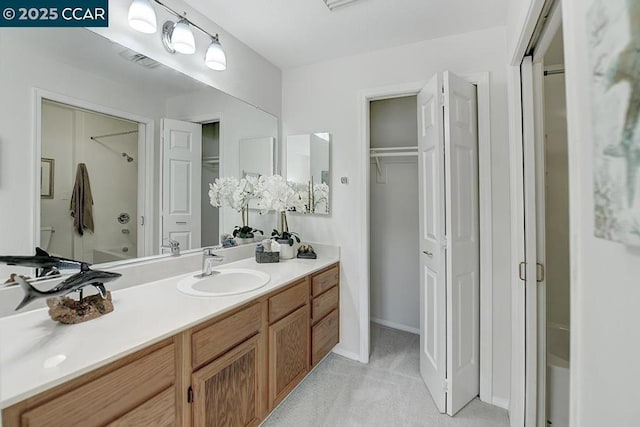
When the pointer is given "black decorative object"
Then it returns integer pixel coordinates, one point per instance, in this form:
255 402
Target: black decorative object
45 264
307 252
65 310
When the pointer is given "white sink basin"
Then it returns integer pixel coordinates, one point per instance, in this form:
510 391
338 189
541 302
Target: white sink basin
228 281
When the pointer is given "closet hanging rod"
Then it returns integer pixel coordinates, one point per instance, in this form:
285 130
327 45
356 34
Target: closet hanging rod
109 135
415 147
405 154
211 159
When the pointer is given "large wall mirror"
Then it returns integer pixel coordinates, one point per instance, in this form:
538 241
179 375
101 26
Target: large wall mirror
135 145
308 165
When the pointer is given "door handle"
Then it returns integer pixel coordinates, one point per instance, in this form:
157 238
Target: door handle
427 253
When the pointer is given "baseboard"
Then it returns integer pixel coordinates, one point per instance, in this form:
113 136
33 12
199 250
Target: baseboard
396 326
345 353
500 402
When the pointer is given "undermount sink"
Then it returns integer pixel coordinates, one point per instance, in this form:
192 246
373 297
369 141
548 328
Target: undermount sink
228 281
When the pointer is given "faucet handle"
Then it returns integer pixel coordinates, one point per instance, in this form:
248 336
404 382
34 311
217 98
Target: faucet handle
171 243
209 254
174 245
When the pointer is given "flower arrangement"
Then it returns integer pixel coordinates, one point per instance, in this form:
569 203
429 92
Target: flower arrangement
236 194
275 193
271 193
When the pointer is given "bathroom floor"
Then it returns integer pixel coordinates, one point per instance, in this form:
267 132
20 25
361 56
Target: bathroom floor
387 392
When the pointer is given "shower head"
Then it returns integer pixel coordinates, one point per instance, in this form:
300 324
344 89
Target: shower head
128 157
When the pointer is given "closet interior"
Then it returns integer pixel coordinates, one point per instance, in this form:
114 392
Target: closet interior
394 251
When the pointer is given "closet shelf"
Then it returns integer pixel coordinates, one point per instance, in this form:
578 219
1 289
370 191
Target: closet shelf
378 153
213 160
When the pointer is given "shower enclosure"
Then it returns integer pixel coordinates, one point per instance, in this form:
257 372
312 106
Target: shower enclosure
108 146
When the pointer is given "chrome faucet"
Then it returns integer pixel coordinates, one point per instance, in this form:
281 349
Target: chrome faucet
173 245
208 259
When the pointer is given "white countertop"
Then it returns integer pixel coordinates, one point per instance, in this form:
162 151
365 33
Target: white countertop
142 315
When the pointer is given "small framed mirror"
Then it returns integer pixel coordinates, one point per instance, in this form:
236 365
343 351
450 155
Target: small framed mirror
308 164
47 168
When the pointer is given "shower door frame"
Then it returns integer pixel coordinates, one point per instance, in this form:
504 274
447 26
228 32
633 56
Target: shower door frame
146 167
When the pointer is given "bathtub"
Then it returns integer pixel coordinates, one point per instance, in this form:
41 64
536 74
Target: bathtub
557 375
101 256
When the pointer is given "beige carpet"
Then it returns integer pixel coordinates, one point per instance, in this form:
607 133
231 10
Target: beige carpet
387 392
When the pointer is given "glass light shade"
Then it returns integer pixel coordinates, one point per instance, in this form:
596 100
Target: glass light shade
215 57
182 39
142 16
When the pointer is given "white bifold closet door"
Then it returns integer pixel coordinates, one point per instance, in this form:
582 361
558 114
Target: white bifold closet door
181 176
449 241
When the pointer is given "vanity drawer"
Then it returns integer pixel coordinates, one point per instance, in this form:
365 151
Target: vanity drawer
158 412
215 339
288 301
324 303
325 280
324 336
109 396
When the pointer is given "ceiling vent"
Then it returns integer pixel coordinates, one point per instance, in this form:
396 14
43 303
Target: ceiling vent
139 59
336 4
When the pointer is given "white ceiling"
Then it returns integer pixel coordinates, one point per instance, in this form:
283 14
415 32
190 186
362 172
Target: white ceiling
290 33
100 57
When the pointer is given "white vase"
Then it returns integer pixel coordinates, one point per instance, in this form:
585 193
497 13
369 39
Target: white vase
286 251
244 241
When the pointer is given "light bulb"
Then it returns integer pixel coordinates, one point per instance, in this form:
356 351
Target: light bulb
182 39
215 57
142 16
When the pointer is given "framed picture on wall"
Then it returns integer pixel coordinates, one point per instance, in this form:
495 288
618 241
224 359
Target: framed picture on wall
47 167
615 61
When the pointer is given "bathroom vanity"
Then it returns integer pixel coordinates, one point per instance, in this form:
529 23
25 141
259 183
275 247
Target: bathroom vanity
165 358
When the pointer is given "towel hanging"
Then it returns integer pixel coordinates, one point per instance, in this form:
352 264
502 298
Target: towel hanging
82 201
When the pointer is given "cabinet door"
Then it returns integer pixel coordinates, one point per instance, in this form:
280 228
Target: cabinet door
288 353
226 391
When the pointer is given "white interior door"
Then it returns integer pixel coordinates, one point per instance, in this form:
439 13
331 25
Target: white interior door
449 241
433 287
181 175
463 241
530 240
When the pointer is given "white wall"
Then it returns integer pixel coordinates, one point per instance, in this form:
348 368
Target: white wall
395 266
248 75
557 201
239 121
394 122
325 97
604 274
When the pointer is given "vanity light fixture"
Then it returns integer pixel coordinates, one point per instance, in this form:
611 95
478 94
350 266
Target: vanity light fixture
215 57
176 36
142 16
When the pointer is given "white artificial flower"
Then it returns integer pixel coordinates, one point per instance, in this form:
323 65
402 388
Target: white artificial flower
275 193
321 195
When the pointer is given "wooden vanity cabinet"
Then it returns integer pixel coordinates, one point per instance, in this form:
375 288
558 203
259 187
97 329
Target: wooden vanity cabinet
139 389
229 371
226 392
288 341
